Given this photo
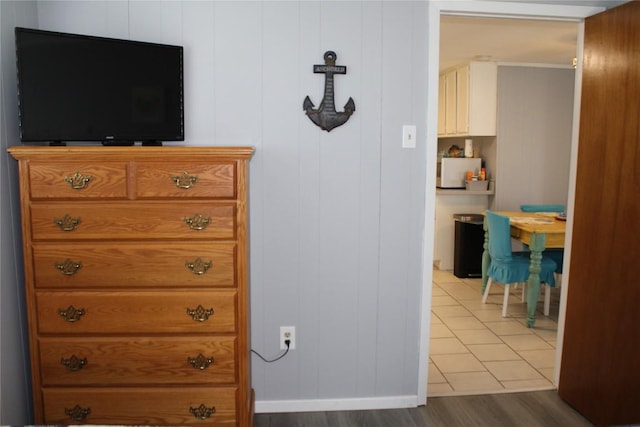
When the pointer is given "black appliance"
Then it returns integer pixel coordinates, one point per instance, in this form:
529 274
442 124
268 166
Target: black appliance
84 88
468 245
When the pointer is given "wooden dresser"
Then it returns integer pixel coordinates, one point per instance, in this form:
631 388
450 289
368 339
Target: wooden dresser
136 284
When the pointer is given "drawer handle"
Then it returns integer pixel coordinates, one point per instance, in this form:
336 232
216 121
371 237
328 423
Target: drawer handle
74 363
66 223
198 266
185 180
202 412
78 181
69 267
77 413
201 362
71 314
197 222
200 314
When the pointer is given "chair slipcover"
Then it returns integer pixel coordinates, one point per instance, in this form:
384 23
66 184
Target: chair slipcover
507 266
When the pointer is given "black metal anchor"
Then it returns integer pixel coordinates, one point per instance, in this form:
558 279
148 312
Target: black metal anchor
326 116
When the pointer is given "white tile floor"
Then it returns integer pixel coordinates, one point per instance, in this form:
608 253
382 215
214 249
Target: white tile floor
474 350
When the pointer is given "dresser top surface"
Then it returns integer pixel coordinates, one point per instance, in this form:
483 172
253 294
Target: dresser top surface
20 152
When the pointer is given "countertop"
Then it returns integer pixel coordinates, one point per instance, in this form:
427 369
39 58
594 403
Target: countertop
462 192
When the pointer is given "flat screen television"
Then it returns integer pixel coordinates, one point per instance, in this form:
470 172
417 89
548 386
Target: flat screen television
84 88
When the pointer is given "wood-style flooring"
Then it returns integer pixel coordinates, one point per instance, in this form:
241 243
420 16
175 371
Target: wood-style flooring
530 409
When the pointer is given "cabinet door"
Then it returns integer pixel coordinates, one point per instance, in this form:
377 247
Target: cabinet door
462 100
482 98
450 103
442 105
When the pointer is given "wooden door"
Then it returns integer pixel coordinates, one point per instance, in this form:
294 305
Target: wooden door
600 372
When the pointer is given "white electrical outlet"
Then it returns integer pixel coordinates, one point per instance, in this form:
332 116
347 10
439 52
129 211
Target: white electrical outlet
288 333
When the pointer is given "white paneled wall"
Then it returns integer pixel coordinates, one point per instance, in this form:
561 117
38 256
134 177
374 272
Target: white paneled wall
336 218
15 393
527 98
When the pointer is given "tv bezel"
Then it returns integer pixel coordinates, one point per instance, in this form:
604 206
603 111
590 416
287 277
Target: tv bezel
149 139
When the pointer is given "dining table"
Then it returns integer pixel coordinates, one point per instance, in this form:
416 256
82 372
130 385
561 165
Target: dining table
539 230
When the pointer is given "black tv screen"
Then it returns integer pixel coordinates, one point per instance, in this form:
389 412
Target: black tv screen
84 88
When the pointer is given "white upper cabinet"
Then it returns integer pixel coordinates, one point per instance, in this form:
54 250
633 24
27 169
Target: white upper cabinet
441 105
468 100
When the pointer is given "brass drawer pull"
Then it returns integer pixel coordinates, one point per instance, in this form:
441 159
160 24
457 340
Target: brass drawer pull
197 222
71 314
200 314
69 267
77 413
202 412
201 362
198 266
74 363
66 223
185 180
78 181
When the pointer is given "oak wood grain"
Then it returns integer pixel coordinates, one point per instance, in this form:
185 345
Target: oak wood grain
127 288
121 220
600 373
133 312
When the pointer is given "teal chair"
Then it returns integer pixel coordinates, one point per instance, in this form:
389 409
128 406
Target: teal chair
542 208
509 267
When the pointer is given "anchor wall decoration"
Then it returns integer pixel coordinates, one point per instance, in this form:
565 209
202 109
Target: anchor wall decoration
326 116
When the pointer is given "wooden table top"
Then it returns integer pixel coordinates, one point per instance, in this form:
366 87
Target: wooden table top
541 223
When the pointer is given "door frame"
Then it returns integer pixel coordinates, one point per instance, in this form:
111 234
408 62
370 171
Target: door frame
494 9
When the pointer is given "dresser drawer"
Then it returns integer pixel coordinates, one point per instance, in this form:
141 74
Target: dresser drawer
137 361
128 220
113 312
77 180
140 406
139 264
184 180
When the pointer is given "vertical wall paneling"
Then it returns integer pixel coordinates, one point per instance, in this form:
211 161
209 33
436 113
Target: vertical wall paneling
369 112
237 72
171 15
117 19
199 78
416 181
81 17
340 31
15 393
280 174
529 97
310 314
154 21
145 20
395 290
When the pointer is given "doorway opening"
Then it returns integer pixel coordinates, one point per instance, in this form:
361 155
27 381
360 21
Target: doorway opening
473 350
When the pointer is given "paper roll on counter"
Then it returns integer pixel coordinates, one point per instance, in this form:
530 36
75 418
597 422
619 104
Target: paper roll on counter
468 148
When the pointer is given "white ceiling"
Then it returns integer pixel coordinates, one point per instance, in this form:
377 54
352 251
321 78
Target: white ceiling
464 39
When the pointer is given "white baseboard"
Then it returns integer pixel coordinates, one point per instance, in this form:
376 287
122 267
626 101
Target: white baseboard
350 404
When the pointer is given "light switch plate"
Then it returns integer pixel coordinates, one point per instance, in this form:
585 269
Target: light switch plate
409 136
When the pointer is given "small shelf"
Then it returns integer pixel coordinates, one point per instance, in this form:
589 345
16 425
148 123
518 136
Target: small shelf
463 192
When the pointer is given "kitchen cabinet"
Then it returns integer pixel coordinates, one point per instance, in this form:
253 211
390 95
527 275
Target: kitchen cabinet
450 102
441 105
469 104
